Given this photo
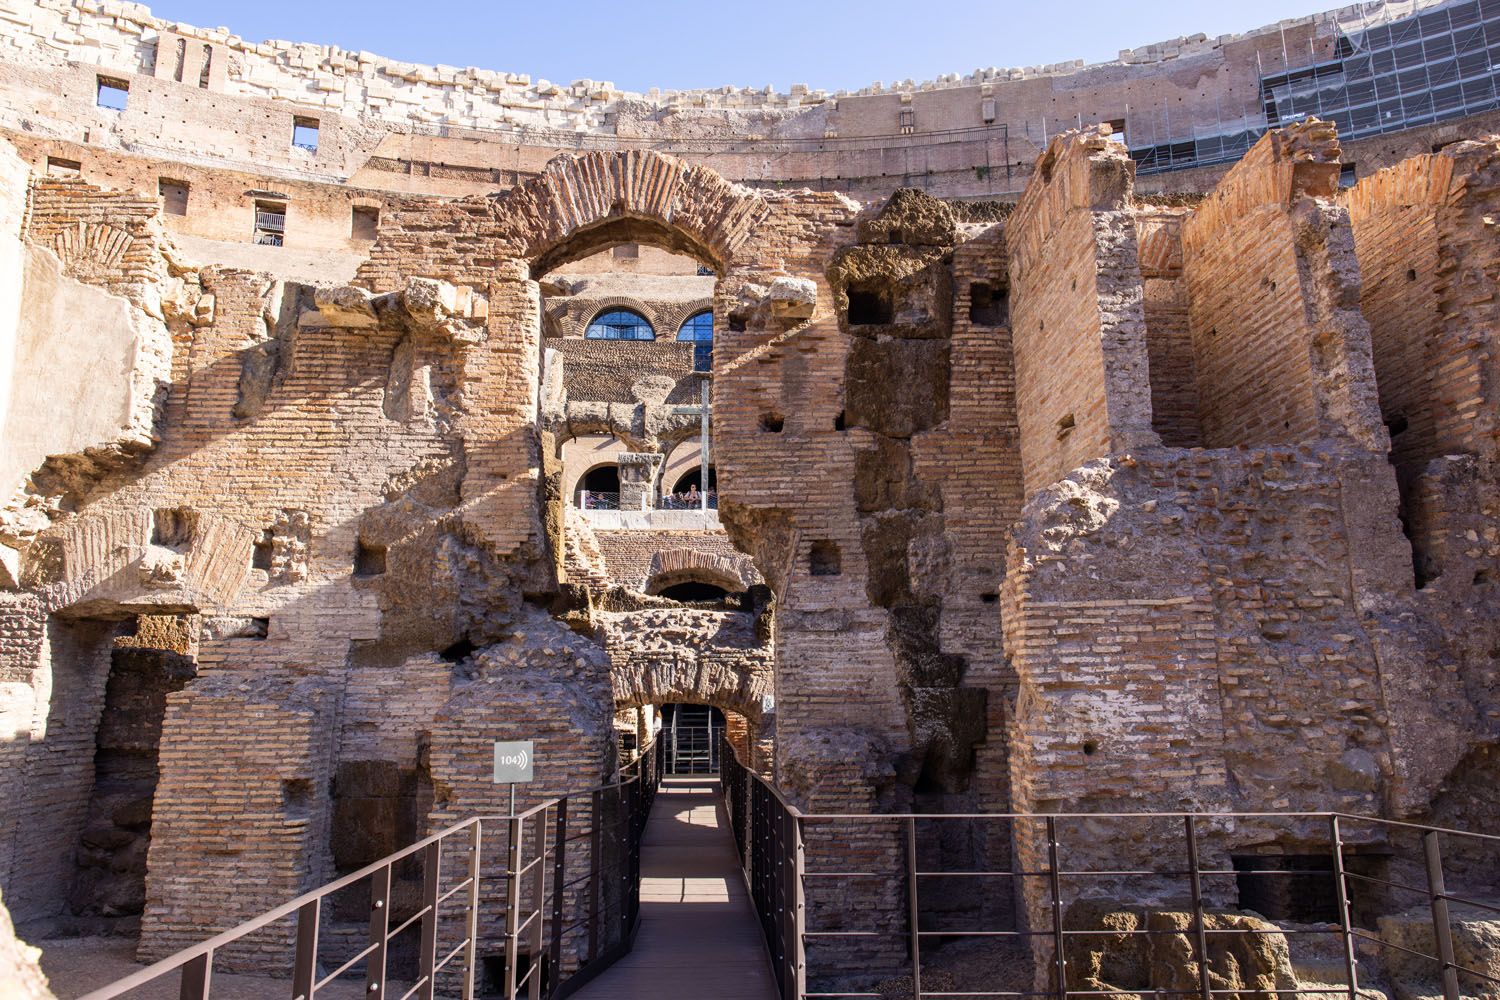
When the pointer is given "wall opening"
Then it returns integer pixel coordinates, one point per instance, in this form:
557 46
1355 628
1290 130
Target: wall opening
369 560
364 222
869 305
824 559
989 305
599 489
270 223
174 527
174 196
1295 887
305 133
772 423
108 891
111 93
694 591
58 166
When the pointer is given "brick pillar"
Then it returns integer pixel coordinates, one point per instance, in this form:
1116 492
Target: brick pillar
1078 322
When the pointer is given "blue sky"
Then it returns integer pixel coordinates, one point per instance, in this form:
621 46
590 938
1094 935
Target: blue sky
638 44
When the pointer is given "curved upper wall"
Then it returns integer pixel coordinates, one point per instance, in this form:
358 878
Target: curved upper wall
206 97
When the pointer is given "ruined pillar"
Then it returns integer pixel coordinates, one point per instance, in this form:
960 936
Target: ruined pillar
1280 349
1078 322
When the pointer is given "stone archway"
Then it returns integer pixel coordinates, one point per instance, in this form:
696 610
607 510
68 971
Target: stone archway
682 565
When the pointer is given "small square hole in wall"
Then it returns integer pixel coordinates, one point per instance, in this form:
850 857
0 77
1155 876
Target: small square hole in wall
772 423
173 527
1065 426
174 196
823 559
869 306
369 560
260 555
988 305
1348 176
59 167
112 93
364 222
305 133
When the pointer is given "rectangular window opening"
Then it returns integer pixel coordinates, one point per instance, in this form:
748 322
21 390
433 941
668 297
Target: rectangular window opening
59 167
988 305
305 133
270 223
112 93
364 222
174 196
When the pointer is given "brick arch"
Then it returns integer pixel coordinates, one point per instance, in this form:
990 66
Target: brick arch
106 560
583 203
670 680
598 307
674 566
674 316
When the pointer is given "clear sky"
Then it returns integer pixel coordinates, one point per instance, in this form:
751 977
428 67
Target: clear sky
673 44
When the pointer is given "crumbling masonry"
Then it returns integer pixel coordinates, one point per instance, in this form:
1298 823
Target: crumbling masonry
1085 500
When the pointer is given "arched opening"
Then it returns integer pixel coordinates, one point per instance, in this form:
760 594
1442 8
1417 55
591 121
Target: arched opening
619 324
694 590
599 488
693 480
698 329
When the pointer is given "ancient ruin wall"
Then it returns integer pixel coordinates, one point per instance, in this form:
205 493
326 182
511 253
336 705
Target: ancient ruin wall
1079 325
1280 349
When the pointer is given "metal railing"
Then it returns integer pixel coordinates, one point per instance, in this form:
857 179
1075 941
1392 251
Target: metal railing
610 500
846 929
559 901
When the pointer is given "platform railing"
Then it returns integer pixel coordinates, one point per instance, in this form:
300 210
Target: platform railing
796 864
560 903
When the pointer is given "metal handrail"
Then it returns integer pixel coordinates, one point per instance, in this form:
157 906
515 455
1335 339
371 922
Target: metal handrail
771 835
634 788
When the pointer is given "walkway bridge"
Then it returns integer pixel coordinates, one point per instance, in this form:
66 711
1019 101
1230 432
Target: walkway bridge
718 888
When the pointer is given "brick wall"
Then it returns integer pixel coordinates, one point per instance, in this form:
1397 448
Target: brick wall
1078 319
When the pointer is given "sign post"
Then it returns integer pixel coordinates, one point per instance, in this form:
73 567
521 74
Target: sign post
513 764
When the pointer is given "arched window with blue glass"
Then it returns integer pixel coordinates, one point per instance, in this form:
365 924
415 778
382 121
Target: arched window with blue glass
699 328
619 324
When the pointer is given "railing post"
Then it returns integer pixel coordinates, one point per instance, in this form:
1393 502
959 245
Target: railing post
471 915
1442 929
913 908
539 894
305 964
596 844
1200 932
512 903
380 925
559 879
197 976
432 859
799 910
1346 917
1060 961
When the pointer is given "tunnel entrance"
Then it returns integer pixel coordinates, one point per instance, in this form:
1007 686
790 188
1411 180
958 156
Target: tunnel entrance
107 893
693 734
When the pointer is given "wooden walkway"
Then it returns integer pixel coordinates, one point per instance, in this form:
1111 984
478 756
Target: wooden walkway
699 939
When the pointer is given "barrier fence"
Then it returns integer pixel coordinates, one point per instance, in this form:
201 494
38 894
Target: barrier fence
850 903
551 892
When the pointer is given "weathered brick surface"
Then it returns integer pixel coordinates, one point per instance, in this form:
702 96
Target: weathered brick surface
354 500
